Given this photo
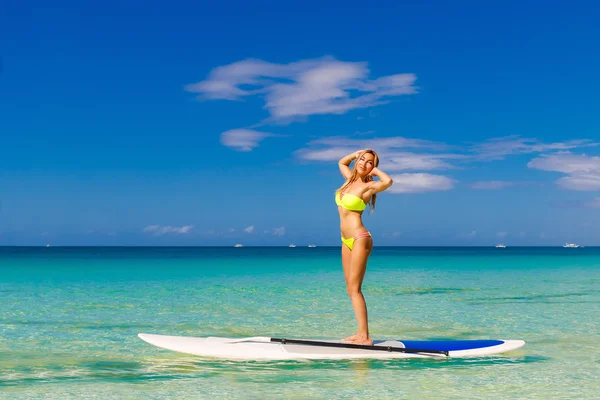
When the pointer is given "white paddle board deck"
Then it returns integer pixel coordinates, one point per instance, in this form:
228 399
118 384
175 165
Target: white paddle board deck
266 348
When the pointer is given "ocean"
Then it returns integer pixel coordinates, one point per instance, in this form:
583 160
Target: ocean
69 319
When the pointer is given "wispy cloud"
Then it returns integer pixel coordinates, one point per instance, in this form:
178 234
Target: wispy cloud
163 230
499 148
303 88
583 172
580 182
490 185
410 154
381 144
402 161
243 139
279 231
501 234
392 152
420 183
249 229
430 154
497 185
568 163
395 157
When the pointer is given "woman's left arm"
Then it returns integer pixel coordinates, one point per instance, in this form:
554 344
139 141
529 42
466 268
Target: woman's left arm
384 182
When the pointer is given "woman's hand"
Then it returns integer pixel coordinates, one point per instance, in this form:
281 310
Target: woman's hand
357 154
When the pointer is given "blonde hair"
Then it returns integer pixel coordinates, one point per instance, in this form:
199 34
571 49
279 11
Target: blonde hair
354 177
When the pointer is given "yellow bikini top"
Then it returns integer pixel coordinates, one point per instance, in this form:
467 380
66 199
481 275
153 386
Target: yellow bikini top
350 202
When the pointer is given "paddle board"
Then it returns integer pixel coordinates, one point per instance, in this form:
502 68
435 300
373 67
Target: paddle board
267 348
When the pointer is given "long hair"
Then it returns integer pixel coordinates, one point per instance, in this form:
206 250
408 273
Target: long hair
354 177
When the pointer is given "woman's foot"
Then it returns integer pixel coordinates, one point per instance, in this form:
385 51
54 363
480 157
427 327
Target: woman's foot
350 338
364 340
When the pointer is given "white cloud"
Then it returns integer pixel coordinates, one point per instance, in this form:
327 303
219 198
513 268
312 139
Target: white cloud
490 185
583 171
416 161
243 139
162 230
409 154
389 143
420 183
279 231
303 88
580 182
497 185
498 148
568 163
249 229
391 151
428 155
330 154
392 159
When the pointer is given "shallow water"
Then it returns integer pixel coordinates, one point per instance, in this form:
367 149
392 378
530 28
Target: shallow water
69 319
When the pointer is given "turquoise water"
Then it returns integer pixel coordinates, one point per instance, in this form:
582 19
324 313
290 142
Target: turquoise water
69 319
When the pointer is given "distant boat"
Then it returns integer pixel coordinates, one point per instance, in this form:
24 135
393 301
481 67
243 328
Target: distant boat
500 246
239 245
47 245
292 245
571 245
312 245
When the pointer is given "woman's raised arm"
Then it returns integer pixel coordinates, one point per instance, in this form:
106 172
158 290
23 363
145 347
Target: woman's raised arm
344 164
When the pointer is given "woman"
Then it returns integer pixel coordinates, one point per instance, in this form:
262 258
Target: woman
352 198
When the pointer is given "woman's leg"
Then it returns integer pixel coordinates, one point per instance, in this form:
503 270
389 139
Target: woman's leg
346 258
354 279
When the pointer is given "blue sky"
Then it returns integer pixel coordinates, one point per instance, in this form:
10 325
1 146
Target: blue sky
134 123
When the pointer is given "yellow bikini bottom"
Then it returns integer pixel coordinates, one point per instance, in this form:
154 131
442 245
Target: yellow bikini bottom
350 241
